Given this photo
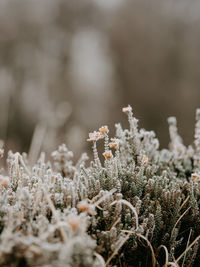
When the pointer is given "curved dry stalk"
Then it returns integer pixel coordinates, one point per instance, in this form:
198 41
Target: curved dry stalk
116 222
196 246
178 259
149 244
100 258
179 219
128 204
151 248
185 201
166 254
172 264
187 246
118 248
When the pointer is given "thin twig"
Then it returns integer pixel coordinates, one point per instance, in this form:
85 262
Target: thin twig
149 244
100 258
179 219
187 249
185 201
118 248
116 222
172 264
187 246
166 254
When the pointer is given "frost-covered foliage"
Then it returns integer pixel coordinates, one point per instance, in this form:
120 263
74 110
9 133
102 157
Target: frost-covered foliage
139 207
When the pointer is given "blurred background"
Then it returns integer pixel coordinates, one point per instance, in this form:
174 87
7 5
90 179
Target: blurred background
68 67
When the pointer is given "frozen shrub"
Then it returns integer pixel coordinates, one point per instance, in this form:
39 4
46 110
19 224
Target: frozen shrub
139 207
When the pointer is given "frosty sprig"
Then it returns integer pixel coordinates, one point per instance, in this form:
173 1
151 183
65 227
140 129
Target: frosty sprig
136 205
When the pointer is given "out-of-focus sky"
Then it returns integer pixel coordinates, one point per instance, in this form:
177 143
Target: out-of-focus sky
70 67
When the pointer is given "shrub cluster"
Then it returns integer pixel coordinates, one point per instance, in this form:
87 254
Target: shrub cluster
139 207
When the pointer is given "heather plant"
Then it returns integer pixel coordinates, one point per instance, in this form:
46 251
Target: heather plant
139 206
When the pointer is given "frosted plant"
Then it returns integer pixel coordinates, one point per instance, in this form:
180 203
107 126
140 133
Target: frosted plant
63 161
139 206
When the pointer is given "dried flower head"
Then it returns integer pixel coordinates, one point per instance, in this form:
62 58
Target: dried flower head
108 154
74 222
145 160
94 137
195 176
114 143
84 206
127 110
4 181
104 130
